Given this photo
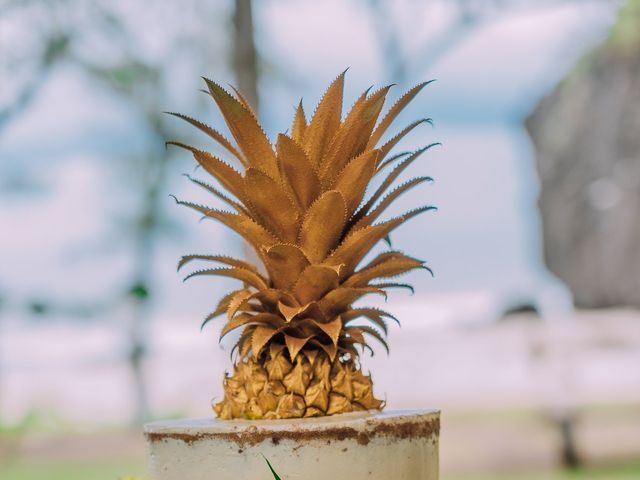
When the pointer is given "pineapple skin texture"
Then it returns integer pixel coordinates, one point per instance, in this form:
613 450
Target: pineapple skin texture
305 208
312 386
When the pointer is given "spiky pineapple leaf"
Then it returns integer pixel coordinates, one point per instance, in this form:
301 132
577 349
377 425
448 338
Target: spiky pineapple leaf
285 262
263 193
332 329
389 268
374 315
341 298
352 181
295 344
330 349
228 177
359 242
314 282
322 225
246 130
234 262
237 301
325 121
268 320
394 111
242 224
260 337
386 183
393 141
299 126
357 334
388 199
248 276
245 103
298 170
223 305
213 190
353 133
384 163
383 286
213 133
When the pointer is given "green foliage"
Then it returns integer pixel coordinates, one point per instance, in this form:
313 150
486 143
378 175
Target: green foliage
275 475
625 35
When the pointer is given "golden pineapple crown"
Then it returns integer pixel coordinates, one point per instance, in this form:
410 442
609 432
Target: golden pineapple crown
305 210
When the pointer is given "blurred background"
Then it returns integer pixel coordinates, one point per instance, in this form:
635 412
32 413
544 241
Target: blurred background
528 337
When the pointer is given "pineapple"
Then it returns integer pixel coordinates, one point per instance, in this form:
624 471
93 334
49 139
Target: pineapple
303 207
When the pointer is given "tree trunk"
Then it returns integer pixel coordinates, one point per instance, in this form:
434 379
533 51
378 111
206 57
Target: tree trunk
588 159
245 56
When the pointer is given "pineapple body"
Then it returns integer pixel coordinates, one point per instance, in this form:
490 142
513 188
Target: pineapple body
311 386
307 209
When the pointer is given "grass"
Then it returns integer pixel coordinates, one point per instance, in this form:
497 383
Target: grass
77 470
619 472
103 470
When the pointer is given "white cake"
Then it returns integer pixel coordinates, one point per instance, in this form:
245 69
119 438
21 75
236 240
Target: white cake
389 445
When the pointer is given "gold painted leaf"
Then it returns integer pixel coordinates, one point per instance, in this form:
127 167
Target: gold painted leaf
356 332
322 226
274 209
393 141
222 307
244 101
314 282
236 302
234 262
389 268
245 129
372 314
388 200
217 193
338 300
289 312
294 345
260 337
325 121
332 328
244 342
383 163
389 180
285 263
298 170
384 286
354 178
271 296
214 134
253 233
352 136
228 176
299 126
358 243
248 276
368 312
393 112
309 311
243 319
